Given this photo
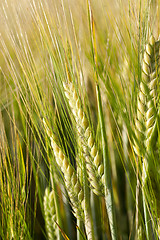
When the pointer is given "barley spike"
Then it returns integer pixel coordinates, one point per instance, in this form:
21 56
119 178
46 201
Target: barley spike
94 162
147 98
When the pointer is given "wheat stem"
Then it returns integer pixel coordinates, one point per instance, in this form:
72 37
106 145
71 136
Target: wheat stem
79 234
56 200
87 207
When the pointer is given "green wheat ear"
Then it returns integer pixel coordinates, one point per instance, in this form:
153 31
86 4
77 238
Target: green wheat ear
94 163
72 183
146 125
73 186
146 119
50 215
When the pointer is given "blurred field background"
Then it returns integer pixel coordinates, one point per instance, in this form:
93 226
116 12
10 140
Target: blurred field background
37 39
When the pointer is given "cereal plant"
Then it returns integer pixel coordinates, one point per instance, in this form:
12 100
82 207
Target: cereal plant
79 120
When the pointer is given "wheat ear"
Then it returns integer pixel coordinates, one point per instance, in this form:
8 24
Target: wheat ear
146 121
50 215
147 98
72 183
73 186
94 163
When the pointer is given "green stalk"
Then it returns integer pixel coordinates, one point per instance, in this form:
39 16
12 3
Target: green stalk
129 198
145 208
137 206
96 215
79 234
147 218
107 171
87 208
56 200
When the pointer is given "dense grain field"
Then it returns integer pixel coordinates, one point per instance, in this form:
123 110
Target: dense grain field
79 119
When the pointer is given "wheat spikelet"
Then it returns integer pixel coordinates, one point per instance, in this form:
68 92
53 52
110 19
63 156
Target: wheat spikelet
50 214
147 98
94 162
